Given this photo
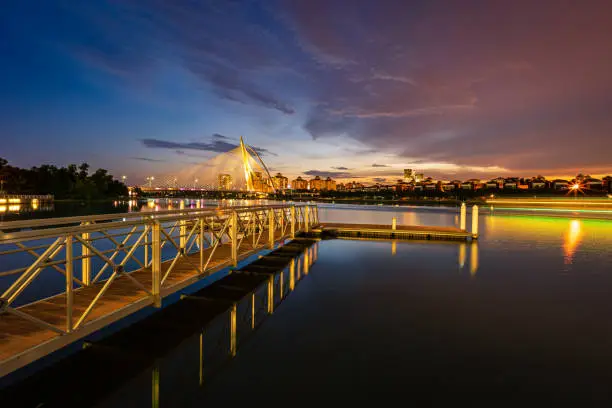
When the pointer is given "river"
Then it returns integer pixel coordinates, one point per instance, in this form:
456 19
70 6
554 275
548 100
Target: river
521 316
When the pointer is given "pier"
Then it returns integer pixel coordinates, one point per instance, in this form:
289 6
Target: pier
67 278
98 270
404 232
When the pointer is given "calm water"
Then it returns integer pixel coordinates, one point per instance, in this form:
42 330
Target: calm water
521 316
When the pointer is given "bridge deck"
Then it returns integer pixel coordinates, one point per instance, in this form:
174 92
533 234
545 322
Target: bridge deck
400 232
18 335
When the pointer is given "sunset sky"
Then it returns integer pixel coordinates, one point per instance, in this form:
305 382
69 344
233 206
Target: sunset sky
351 89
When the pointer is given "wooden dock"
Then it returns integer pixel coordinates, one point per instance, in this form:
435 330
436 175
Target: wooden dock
392 232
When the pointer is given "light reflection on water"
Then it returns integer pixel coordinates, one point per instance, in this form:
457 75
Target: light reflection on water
523 311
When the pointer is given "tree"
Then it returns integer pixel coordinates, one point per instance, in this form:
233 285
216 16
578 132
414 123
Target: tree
84 171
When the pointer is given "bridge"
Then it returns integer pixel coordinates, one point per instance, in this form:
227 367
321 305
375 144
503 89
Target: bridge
63 279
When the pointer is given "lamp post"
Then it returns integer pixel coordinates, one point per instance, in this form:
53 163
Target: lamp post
195 182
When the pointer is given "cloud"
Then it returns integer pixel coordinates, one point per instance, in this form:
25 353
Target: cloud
380 165
340 168
222 137
325 174
215 145
379 179
147 159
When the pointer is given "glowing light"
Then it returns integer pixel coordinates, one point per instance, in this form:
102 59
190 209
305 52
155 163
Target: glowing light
14 200
2 208
572 240
575 187
2 200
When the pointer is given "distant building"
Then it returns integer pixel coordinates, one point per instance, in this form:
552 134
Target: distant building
225 181
317 184
419 177
280 182
330 185
593 184
560 184
408 175
299 184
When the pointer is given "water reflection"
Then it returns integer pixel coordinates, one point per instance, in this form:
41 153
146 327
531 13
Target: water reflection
572 239
474 258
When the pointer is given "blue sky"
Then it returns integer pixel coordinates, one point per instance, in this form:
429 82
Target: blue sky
335 87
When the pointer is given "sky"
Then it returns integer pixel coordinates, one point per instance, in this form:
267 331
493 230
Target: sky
355 89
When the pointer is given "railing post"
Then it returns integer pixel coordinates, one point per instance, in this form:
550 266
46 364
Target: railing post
475 221
201 243
306 219
69 283
156 263
182 229
271 226
86 259
234 237
462 217
292 211
147 242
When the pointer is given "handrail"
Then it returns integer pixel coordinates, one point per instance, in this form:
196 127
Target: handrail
49 222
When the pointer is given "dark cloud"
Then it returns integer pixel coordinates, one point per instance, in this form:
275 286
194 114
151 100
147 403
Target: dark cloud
222 137
325 174
215 145
379 179
147 159
340 168
379 165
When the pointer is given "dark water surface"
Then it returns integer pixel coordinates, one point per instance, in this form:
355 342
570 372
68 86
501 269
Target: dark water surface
523 316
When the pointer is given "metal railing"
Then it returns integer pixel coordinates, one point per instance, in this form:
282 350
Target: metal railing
143 257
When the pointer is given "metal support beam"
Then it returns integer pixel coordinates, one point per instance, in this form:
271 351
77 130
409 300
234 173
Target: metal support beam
307 219
86 261
182 229
271 228
156 263
69 282
234 237
292 221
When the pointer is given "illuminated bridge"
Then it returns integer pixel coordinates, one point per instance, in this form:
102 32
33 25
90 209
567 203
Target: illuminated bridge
240 169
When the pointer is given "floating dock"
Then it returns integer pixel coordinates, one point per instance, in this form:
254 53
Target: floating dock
388 232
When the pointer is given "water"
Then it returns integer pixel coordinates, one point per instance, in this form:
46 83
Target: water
521 316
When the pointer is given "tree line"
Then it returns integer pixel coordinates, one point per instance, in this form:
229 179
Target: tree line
74 182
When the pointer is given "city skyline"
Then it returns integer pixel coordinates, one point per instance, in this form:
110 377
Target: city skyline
329 88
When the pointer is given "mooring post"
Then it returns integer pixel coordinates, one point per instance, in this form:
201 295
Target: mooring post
462 217
394 223
292 221
182 229
271 226
86 259
156 263
234 237
475 221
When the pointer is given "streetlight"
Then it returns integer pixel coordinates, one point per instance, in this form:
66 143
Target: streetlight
123 178
195 181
